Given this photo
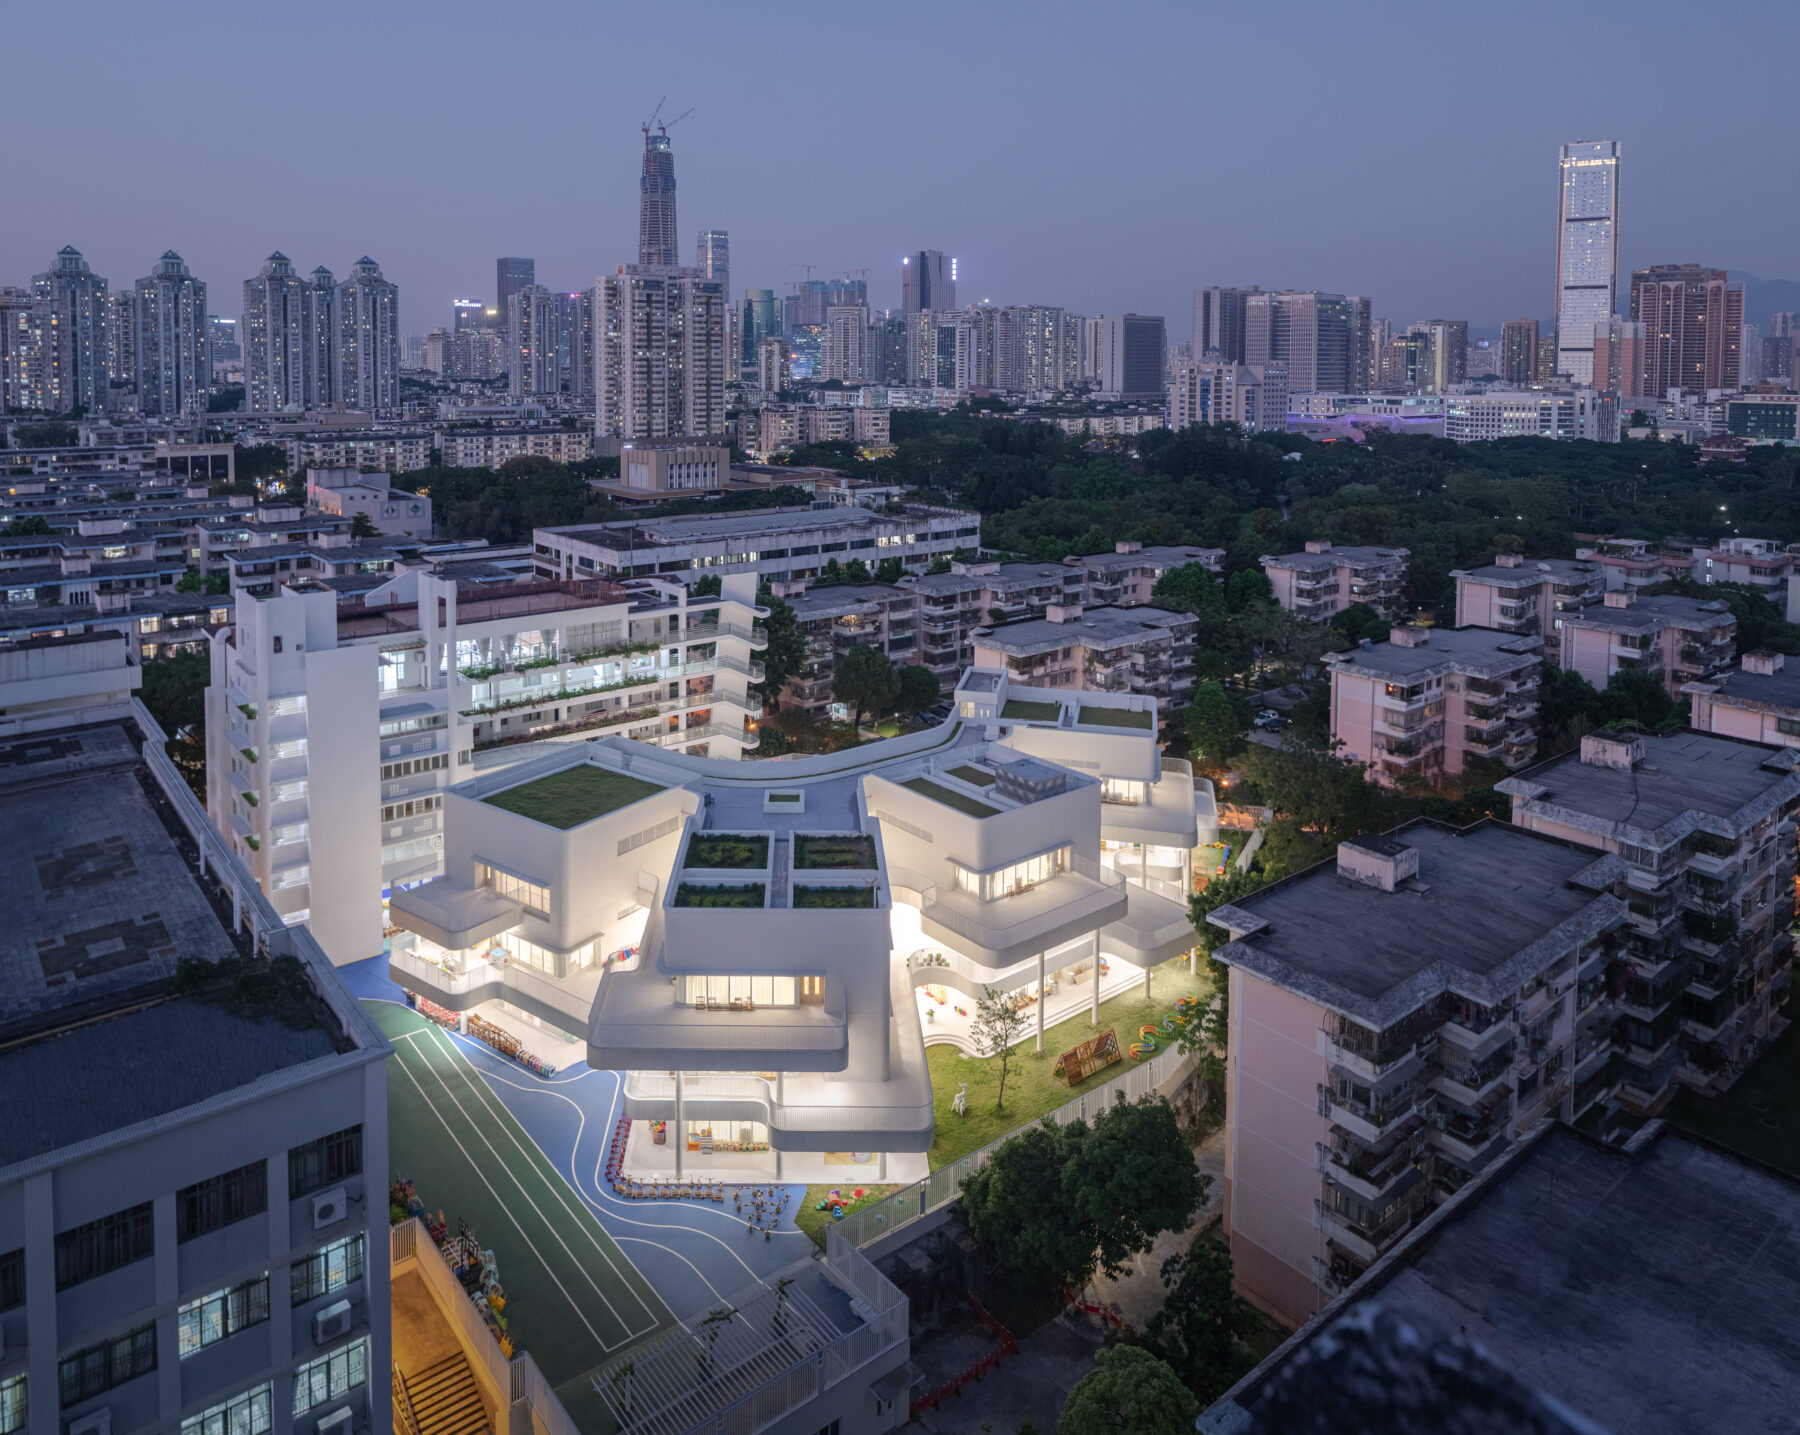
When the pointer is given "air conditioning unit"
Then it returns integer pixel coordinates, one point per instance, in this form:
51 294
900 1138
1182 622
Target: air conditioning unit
330 1207
336 1423
331 1323
95 1422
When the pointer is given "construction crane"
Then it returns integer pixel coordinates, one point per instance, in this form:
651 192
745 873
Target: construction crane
677 120
856 273
795 283
665 127
654 113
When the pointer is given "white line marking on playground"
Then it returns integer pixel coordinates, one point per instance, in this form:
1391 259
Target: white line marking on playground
507 1120
548 1269
658 1245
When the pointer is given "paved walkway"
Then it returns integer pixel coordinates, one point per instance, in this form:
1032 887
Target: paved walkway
1138 1289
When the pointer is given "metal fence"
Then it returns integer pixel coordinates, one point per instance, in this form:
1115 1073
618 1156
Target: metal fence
913 1203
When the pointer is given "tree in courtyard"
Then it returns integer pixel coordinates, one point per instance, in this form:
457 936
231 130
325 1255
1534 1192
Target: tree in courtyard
32 526
864 678
1212 724
916 689
174 690
1196 1331
362 526
1056 1203
1129 1392
1357 622
785 654
705 586
998 1025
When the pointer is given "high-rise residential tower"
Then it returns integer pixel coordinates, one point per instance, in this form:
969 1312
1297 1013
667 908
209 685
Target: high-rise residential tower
369 339
173 370
121 338
657 242
659 354
510 276
1587 251
1693 320
1125 355
1219 322
1449 362
534 362
76 359
927 282
1518 352
324 341
274 338
846 352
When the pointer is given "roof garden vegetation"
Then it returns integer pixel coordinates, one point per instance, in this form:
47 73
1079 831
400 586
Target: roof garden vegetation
573 796
847 850
1118 717
693 894
1021 711
834 897
727 850
937 792
974 776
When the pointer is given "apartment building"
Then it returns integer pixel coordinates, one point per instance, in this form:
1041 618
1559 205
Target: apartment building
380 451
1706 826
1512 1304
1531 413
1108 650
347 492
772 543
171 1167
1325 580
1515 594
489 448
1398 1016
1129 574
754 964
1678 639
336 720
677 467
840 616
1757 562
773 428
1635 563
1429 700
1758 701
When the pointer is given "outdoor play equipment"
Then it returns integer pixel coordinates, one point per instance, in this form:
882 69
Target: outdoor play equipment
1080 1062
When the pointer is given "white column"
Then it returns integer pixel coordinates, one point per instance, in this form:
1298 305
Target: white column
1042 1001
1094 1020
1146 983
43 1417
679 1135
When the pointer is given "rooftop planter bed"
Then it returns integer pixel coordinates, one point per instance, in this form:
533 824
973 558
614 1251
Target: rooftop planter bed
1118 717
975 776
852 850
838 898
925 787
750 894
727 850
1020 711
573 796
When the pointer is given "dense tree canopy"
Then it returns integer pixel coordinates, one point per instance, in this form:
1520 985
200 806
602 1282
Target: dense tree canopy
1130 1392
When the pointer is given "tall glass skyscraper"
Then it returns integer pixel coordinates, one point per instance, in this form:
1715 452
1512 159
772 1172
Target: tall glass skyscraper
656 204
1587 251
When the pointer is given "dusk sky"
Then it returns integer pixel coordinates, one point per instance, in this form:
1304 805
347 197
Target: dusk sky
1104 157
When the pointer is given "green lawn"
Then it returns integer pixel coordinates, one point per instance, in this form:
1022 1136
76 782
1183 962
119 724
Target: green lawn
1030 1088
1021 711
1760 1116
573 796
1117 717
937 792
974 776
814 1222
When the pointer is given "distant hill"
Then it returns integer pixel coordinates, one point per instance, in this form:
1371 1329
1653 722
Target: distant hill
1763 297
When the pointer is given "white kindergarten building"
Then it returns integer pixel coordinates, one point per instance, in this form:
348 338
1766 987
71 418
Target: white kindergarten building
338 713
762 948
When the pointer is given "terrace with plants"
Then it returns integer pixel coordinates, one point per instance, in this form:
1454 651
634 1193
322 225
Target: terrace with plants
748 895
847 851
573 796
834 898
1117 717
949 797
728 851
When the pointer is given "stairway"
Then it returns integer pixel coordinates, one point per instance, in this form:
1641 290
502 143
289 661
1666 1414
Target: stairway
446 1400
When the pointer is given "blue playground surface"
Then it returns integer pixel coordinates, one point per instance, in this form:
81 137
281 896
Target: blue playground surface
693 1254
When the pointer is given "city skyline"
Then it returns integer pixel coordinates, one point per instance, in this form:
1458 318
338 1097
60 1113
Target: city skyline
1482 248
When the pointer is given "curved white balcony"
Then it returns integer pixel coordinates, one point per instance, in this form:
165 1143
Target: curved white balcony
1074 903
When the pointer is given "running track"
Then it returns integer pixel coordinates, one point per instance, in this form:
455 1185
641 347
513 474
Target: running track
691 1254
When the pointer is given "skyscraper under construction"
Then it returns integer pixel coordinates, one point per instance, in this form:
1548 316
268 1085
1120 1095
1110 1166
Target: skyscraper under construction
656 202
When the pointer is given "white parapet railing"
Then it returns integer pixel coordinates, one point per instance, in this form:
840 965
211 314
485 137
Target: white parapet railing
515 1378
943 1186
511 976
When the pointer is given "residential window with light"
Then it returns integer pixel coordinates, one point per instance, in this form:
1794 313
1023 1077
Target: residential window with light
336 1266
212 1318
251 1413
330 1377
14 1408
